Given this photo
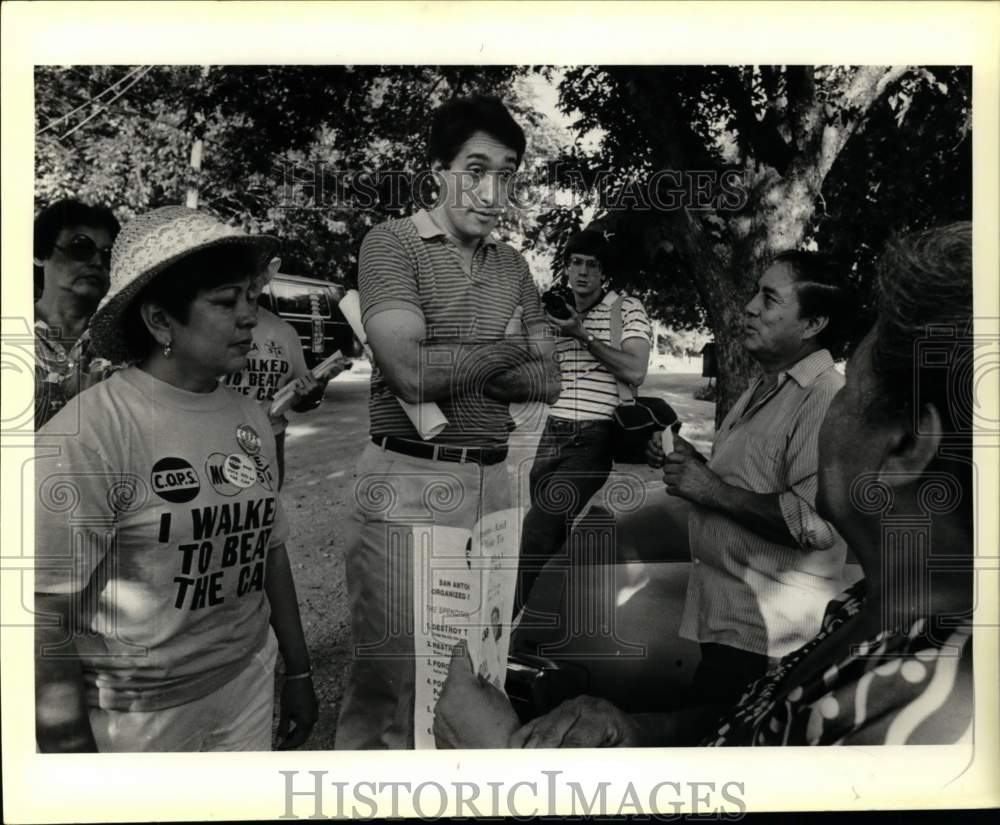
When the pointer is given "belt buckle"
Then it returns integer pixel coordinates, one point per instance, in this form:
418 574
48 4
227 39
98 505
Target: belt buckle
463 457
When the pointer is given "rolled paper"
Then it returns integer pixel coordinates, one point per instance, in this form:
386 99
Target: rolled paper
350 307
427 417
668 441
285 397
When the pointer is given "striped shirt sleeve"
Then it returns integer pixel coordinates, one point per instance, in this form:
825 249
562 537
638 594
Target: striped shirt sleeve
531 304
798 501
635 322
386 278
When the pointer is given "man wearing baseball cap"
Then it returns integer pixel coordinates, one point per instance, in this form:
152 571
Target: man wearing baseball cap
575 450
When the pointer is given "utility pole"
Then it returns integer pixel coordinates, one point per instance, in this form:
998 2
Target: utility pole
197 147
197 143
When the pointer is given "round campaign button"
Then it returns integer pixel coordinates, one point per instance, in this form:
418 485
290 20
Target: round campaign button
247 438
239 470
173 479
264 475
215 467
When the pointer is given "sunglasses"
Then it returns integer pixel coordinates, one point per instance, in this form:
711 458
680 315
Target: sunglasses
82 249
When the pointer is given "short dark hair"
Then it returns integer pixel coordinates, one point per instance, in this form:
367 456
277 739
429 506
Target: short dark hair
454 122
588 242
176 287
820 292
924 289
55 217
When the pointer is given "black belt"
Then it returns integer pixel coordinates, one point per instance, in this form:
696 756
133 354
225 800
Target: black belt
572 425
442 452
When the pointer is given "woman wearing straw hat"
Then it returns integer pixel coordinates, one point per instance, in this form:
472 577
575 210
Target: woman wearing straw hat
163 588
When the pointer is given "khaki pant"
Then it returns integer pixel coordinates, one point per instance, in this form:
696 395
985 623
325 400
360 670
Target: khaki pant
234 717
394 493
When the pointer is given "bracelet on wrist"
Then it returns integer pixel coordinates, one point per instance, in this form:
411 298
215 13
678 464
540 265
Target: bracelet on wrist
296 676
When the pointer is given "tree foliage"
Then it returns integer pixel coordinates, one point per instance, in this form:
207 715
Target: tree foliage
834 157
698 173
264 131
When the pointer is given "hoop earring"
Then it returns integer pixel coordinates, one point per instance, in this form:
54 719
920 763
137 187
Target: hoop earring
166 349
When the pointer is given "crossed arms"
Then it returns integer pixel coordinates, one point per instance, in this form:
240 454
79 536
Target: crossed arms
519 367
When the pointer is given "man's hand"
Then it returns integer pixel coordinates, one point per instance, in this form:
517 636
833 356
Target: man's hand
308 387
685 448
583 722
299 712
309 390
525 381
471 713
655 457
515 326
687 475
536 345
571 327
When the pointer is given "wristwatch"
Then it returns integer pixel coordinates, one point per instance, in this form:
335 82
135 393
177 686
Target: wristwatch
589 339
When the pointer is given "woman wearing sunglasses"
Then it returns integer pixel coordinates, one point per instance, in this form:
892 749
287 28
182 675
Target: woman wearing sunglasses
162 581
72 256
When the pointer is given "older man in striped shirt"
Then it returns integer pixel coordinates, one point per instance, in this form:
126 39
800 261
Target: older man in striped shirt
765 565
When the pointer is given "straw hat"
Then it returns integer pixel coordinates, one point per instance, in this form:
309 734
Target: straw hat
148 245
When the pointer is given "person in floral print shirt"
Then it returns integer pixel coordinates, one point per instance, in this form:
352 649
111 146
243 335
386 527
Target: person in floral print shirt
72 258
891 664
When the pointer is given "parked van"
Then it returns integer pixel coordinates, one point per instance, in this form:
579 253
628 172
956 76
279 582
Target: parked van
310 305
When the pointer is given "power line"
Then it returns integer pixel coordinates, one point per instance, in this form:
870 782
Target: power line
94 99
104 108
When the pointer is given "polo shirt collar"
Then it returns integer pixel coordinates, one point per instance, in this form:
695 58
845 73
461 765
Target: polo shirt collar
810 368
428 229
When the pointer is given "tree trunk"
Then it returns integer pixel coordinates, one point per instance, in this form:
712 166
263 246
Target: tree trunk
736 368
724 304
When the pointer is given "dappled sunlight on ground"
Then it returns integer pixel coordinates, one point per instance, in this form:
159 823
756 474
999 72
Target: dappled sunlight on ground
301 430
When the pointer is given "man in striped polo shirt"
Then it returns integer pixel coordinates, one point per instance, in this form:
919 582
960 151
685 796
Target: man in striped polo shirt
765 564
453 318
574 454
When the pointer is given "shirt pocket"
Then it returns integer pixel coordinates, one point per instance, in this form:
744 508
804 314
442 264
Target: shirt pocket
762 463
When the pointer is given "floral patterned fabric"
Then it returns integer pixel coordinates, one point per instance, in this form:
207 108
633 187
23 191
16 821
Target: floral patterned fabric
897 688
61 373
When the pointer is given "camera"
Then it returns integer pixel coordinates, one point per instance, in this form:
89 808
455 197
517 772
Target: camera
556 303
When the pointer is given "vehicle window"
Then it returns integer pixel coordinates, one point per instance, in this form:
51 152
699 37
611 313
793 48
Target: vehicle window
300 299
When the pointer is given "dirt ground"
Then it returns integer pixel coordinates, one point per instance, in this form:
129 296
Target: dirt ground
321 450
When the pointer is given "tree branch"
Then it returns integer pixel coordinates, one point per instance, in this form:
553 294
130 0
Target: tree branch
800 89
843 118
762 138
